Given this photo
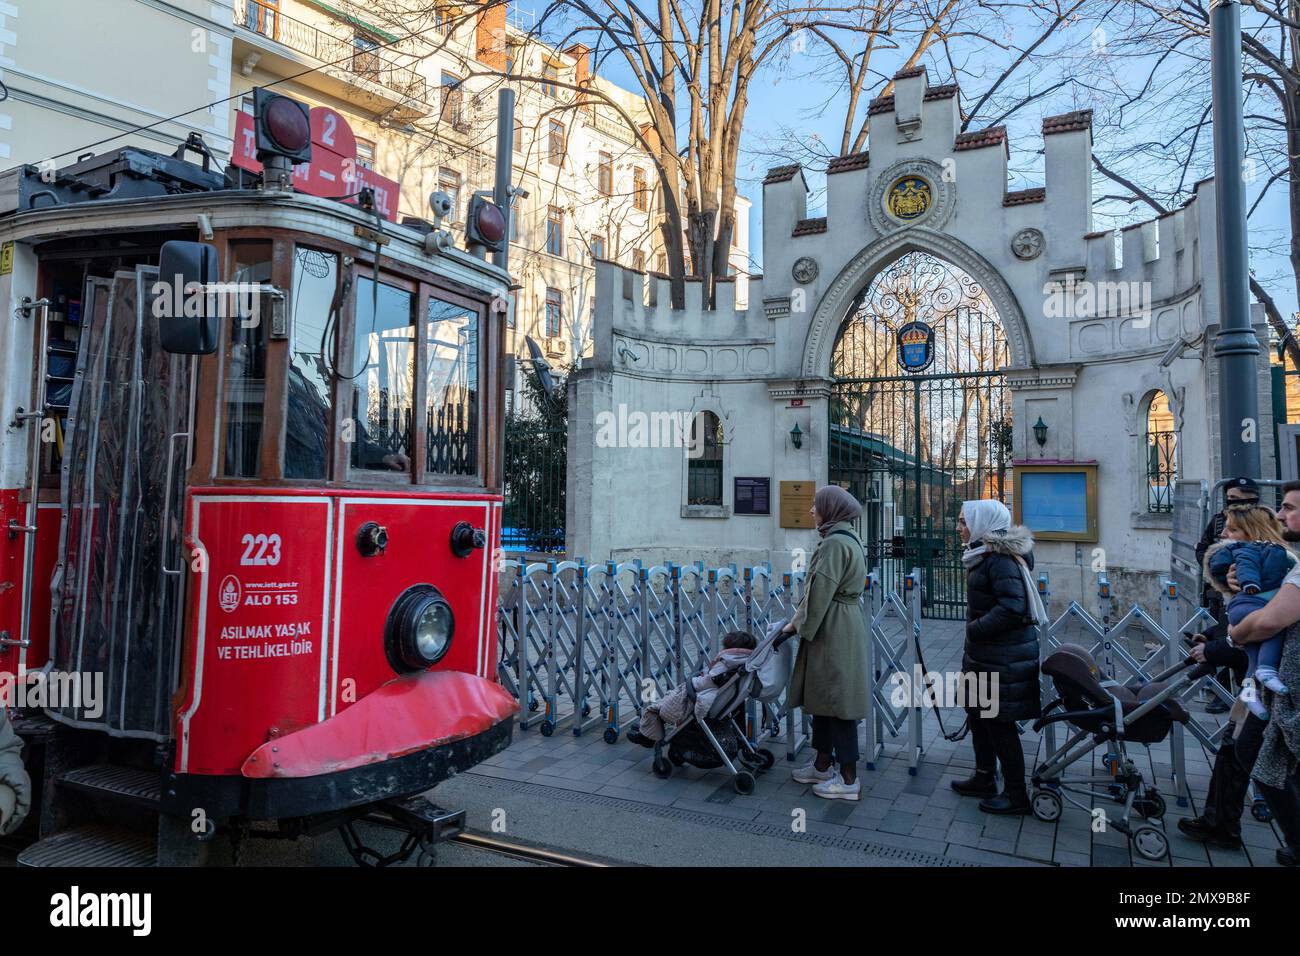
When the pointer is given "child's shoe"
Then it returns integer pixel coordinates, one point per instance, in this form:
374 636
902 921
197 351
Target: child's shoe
1268 677
1250 697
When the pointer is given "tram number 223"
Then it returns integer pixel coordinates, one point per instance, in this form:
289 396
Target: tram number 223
260 549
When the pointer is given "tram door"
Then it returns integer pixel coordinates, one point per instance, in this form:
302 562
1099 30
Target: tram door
117 586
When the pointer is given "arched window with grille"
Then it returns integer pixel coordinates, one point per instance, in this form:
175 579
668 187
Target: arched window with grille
1161 444
704 466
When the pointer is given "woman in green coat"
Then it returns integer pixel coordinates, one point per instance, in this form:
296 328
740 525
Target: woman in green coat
830 673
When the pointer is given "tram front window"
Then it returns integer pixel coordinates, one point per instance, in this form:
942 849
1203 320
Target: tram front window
451 440
307 428
246 379
383 390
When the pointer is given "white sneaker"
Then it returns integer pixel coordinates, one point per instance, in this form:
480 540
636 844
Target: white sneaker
809 773
837 789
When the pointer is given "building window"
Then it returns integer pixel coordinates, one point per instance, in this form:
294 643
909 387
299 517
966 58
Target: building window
1162 455
365 56
598 247
519 135
512 317
640 189
449 182
262 16
555 143
555 231
512 56
550 74
452 100
638 260
704 470
554 312
605 174
661 264
516 220
365 153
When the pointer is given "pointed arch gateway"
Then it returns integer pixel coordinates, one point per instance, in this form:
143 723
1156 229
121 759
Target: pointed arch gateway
919 410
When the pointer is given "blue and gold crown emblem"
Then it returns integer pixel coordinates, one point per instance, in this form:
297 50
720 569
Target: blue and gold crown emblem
915 336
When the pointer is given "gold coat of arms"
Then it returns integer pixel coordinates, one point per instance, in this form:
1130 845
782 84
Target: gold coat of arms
909 198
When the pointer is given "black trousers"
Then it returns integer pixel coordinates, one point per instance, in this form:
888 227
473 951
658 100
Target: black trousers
1230 778
831 735
1285 804
997 742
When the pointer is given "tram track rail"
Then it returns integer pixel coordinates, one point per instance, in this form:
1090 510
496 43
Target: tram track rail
531 853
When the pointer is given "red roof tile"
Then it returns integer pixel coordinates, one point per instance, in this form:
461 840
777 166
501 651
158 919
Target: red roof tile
781 174
881 104
946 91
1021 197
909 73
976 139
844 164
808 227
1067 122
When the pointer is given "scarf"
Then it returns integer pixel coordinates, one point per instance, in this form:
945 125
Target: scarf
990 519
834 505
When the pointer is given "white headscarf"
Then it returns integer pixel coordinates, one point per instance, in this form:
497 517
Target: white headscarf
982 517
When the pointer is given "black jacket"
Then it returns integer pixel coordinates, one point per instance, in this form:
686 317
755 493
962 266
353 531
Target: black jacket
1000 637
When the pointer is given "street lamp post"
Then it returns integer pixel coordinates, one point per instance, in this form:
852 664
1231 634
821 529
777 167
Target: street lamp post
1235 346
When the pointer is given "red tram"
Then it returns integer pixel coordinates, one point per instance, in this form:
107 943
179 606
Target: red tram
249 501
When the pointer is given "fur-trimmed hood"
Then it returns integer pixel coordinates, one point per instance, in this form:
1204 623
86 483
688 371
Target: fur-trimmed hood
1016 540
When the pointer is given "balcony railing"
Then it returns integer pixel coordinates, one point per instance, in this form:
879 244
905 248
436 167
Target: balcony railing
356 57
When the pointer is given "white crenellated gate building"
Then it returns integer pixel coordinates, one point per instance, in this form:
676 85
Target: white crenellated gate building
1085 334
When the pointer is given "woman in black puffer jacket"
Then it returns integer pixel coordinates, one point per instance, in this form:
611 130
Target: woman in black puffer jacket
1001 646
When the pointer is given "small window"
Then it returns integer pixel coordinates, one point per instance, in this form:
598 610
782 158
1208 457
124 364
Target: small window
605 174
640 190
1162 455
550 74
661 264
365 153
598 247
554 312
555 143
246 370
704 469
512 317
383 390
449 182
365 56
452 100
638 260
308 426
519 135
555 231
451 390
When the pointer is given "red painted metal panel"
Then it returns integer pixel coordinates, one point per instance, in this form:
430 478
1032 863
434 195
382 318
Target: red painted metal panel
405 715
11 581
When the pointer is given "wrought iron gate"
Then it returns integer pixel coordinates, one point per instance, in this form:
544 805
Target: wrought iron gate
920 419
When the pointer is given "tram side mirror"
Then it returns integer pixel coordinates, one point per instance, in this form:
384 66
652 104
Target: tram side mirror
187 314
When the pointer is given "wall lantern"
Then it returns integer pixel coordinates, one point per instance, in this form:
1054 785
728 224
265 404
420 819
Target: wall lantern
1040 432
796 436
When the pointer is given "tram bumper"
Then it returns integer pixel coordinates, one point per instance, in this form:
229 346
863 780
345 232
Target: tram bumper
405 737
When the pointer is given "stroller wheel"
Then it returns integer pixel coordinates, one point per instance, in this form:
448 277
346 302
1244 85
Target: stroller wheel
677 759
1046 805
766 759
1260 811
1151 806
547 728
611 735
744 783
1150 843
662 768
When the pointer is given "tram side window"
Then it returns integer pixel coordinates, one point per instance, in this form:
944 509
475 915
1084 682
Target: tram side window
246 379
307 428
383 392
451 436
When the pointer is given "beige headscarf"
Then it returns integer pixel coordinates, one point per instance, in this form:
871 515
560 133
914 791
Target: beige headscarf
834 505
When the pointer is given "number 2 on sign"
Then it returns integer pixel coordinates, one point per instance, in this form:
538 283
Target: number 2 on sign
261 549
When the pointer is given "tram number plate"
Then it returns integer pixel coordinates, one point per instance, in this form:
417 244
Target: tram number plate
260 549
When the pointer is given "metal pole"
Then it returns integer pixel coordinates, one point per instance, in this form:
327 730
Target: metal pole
504 169
1235 346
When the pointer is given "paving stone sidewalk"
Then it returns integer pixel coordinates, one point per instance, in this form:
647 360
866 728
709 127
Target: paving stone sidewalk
918 812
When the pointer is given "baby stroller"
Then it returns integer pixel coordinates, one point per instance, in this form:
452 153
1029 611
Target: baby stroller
718 741
1107 713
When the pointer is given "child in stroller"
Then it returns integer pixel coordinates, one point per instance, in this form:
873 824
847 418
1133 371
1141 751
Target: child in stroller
737 646
1254 543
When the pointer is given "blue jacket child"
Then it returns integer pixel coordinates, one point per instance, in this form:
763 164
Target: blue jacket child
1261 568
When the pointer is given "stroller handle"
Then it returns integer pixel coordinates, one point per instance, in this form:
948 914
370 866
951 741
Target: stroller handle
782 638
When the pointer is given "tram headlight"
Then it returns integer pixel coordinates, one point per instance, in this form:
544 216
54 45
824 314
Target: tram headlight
420 628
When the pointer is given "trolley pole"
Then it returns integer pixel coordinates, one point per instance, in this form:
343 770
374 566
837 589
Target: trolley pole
1235 345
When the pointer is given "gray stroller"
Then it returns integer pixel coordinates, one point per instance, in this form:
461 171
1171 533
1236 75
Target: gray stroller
718 741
